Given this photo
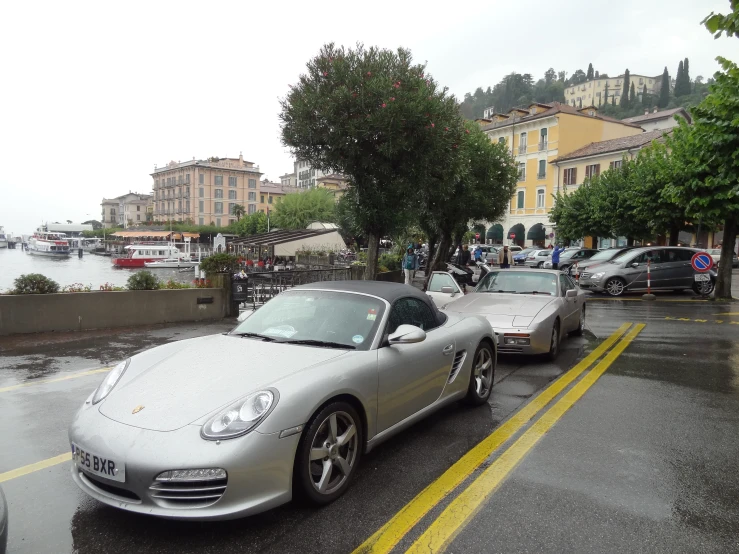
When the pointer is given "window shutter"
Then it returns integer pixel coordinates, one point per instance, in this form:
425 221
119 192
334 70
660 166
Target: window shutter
573 176
597 169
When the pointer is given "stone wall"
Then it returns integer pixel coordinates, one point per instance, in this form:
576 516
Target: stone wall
36 313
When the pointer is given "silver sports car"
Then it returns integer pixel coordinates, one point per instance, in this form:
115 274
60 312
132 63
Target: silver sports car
229 425
529 309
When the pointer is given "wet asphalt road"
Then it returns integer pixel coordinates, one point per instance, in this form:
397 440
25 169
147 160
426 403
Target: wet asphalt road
645 461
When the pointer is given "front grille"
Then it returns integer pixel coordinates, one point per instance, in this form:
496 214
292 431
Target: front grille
110 489
188 494
510 349
584 275
457 365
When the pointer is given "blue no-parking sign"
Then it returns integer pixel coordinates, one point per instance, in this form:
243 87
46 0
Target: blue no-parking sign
702 262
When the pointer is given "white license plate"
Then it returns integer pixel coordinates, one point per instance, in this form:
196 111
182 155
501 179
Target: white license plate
98 465
702 277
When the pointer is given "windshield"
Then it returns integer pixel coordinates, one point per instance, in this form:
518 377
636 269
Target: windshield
603 255
567 254
715 252
335 318
518 282
621 257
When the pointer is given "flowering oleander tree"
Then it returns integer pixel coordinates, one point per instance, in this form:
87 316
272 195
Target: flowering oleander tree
380 119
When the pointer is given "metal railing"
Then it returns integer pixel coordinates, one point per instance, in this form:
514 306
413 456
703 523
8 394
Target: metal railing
260 287
542 146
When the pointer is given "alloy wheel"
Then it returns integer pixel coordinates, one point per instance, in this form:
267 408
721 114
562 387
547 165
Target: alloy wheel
483 371
333 452
615 287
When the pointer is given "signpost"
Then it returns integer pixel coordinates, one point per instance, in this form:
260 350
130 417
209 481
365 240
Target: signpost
702 263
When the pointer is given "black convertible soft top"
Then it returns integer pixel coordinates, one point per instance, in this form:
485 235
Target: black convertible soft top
387 291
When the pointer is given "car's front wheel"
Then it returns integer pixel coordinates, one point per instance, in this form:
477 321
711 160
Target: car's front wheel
703 287
329 453
481 377
615 286
554 342
581 324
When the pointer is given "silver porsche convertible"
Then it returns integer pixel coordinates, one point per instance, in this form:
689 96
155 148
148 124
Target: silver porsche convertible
530 310
287 403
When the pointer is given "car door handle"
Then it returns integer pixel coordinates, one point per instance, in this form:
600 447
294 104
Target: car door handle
448 349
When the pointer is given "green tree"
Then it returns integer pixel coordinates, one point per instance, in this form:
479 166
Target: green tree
251 224
299 209
706 154
605 94
664 90
632 95
476 183
718 24
679 80
686 77
625 90
378 118
238 210
96 225
645 100
590 74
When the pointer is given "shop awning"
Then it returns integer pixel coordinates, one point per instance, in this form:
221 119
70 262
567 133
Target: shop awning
519 230
536 232
495 232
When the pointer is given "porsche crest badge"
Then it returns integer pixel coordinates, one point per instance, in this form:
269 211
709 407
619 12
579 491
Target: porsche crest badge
137 409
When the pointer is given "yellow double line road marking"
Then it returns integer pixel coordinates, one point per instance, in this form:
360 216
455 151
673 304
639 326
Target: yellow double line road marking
55 379
388 536
459 512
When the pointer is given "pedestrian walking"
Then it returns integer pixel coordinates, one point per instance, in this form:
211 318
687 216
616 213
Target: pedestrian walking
505 258
410 265
478 254
555 256
464 256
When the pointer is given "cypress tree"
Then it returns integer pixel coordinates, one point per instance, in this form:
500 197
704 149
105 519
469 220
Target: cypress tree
664 90
625 90
590 72
632 95
686 77
644 99
597 75
605 100
679 80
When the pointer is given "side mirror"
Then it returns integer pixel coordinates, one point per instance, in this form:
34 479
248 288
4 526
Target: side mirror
407 334
572 293
447 290
244 315
634 264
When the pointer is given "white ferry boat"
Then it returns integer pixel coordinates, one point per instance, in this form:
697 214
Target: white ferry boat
87 244
3 238
137 255
54 245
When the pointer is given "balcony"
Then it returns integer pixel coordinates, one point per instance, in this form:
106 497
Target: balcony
522 148
542 146
541 175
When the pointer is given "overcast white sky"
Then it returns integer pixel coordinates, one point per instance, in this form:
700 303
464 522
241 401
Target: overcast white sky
95 93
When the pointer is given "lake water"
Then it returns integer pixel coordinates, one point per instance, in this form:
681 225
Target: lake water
89 270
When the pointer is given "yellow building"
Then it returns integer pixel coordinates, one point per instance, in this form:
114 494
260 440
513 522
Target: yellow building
269 193
537 136
336 184
593 93
205 191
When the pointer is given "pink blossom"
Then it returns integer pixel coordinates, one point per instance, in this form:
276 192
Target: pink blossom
392 99
384 105
433 125
369 74
325 73
467 131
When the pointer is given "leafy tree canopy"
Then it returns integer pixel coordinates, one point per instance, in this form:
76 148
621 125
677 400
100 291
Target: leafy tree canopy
299 209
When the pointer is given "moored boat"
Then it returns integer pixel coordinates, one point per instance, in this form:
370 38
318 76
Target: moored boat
3 238
172 263
137 255
54 245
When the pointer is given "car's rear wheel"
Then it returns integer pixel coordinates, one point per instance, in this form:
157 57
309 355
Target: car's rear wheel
481 376
554 342
540 265
581 325
329 453
615 286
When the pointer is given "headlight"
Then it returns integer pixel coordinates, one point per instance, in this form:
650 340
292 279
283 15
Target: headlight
240 417
598 275
109 382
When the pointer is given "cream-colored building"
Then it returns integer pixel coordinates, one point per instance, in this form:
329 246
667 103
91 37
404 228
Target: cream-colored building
126 210
204 192
659 120
270 193
572 169
335 183
536 136
593 93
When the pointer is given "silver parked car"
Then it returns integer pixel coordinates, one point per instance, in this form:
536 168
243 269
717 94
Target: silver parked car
3 523
530 310
229 425
570 257
537 258
670 269
602 256
715 254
